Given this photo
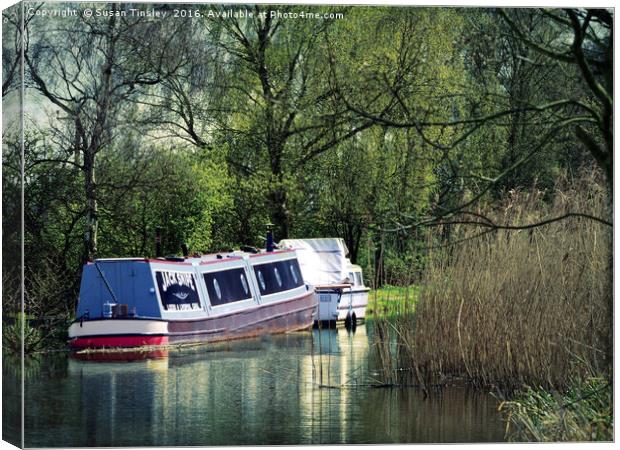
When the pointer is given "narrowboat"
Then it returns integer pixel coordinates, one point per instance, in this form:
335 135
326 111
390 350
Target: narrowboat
339 285
132 302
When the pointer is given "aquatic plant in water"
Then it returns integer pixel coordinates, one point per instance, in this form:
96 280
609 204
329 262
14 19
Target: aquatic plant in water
583 413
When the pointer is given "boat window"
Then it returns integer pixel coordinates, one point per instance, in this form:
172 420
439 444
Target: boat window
293 272
216 286
358 279
177 290
261 280
351 278
227 286
244 283
278 276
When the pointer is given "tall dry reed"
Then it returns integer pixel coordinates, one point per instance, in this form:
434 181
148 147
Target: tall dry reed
520 307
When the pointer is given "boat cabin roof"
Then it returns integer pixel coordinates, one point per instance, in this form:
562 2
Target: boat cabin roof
200 260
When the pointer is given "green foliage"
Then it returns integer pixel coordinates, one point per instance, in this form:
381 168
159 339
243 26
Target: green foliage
17 333
583 413
179 189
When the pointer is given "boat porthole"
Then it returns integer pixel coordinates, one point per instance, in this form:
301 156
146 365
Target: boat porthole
261 280
244 284
216 286
278 279
293 272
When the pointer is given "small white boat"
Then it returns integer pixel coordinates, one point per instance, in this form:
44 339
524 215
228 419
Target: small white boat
355 299
339 285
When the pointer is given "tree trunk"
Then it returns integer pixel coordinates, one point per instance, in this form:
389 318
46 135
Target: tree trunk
379 279
90 232
353 236
279 212
96 142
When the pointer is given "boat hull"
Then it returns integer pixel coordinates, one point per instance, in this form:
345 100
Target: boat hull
353 304
266 318
335 305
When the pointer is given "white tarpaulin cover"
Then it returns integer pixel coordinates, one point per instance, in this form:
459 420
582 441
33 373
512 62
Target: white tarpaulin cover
322 261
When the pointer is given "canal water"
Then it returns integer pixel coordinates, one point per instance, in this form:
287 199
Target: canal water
309 387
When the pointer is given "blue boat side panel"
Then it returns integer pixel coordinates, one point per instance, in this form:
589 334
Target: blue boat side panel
130 281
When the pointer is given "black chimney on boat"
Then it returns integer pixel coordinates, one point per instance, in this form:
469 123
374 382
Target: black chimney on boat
185 249
158 242
269 246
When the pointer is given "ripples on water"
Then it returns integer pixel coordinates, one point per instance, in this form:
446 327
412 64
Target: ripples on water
257 391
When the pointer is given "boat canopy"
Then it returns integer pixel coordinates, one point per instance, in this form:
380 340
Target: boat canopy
322 261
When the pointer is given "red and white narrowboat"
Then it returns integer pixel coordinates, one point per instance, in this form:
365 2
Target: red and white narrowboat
131 302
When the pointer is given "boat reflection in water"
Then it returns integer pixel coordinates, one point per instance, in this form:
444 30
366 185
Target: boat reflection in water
117 355
256 391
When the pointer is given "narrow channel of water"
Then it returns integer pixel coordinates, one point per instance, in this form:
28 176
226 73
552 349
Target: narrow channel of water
257 391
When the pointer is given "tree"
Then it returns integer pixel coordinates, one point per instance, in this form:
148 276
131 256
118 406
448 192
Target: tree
12 47
586 41
268 100
581 39
144 184
89 70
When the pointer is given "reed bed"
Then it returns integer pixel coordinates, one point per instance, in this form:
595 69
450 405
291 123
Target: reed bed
519 307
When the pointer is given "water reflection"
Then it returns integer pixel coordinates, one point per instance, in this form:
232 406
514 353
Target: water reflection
259 391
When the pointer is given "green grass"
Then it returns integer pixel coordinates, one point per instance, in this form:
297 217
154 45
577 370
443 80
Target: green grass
392 300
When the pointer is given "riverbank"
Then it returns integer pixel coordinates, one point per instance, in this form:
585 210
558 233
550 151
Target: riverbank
517 308
580 411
